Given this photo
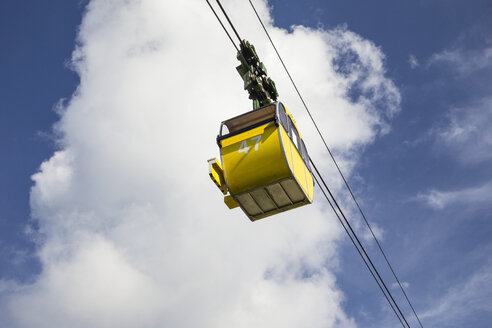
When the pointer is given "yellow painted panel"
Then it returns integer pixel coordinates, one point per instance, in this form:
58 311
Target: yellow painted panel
299 171
310 185
287 148
253 159
217 175
230 202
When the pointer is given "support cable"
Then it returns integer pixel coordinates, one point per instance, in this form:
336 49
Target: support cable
336 164
225 30
230 23
359 242
312 119
356 247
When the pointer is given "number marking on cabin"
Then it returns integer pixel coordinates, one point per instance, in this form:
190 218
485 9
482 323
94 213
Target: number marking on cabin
257 138
243 148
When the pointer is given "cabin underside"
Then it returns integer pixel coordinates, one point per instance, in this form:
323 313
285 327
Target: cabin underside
271 199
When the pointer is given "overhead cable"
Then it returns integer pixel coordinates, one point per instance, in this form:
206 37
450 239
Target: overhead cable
334 200
230 23
359 244
355 245
225 30
336 164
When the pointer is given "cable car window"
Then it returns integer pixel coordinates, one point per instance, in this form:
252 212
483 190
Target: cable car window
224 130
305 155
294 135
283 117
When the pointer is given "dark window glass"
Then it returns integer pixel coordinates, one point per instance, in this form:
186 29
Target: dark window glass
283 117
294 135
305 155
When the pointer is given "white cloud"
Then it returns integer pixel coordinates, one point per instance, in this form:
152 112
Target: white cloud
413 61
471 196
458 304
464 61
404 284
134 232
376 229
467 132
467 69
470 54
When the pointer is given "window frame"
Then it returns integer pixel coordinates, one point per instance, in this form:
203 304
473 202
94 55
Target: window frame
294 135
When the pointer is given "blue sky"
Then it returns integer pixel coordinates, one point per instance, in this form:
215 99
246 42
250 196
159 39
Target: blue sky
426 183
38 39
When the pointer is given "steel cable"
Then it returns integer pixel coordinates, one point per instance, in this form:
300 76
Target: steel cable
225 30
355 245
359 243
336 164
333 208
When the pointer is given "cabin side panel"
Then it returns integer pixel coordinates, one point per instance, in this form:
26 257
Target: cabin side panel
253 159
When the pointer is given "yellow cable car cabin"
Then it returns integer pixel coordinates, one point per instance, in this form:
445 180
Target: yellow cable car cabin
264 163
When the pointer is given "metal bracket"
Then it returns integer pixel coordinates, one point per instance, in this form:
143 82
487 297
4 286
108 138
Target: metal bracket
260 87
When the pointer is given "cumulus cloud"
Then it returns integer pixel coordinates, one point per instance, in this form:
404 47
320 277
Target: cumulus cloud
133 232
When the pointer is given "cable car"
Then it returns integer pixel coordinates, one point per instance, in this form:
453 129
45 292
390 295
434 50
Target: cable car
264 165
